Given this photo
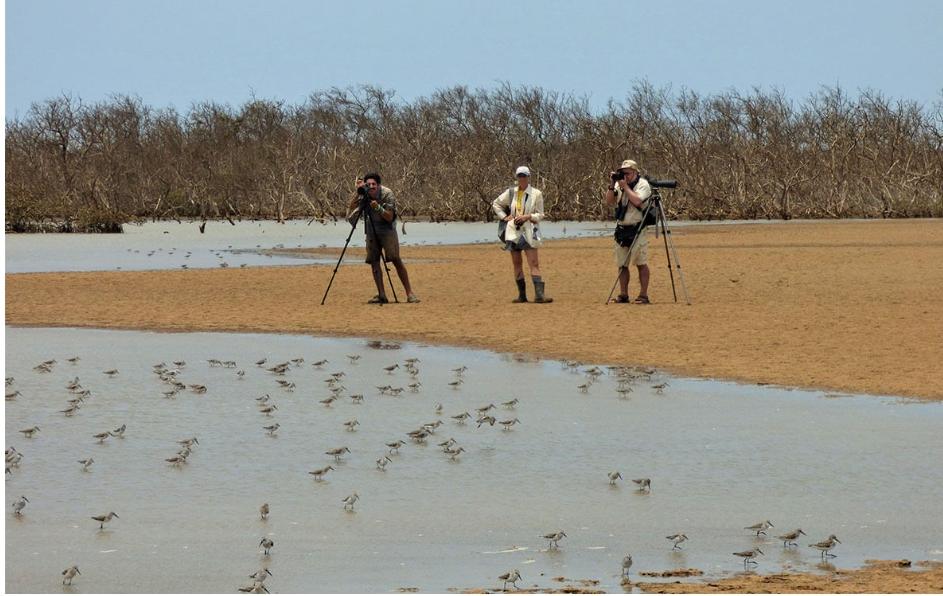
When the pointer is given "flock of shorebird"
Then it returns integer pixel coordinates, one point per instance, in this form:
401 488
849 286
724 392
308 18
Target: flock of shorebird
169 376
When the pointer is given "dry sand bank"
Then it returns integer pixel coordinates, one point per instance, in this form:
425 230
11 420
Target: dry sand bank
844 306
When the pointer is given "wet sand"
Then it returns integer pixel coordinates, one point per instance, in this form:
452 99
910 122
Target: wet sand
842 306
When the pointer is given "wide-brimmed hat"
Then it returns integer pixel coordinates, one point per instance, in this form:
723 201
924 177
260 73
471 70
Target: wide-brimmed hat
629 164
522 171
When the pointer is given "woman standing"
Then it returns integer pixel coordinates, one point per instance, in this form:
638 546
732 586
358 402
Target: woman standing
522 207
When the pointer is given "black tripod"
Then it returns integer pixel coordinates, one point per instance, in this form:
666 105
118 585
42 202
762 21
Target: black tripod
364 205
654 202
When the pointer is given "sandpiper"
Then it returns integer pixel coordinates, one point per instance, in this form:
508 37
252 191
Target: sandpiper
337 452
644 484
439 408
461 418
256 587
29 432
261 362
453 453
447 443
351 425
103 519
677 539
460 370
261 575
484 409
70 411
381 463
188 442
357 398
177 460
418 435
319 363
69 573
507 424
660 387
510 577
827 545
119 432
73 360
554 538
241 374
353 358
197 388
102 436
271 429
626 565
328 401
267 544
13 395
395 445
510 405
749 556
263 511
267 410
790 538
415 387
86 463
111 373
456 383
613 476
761 527
349 501
320 472
391 368
19 504
490 420
395 391
584 388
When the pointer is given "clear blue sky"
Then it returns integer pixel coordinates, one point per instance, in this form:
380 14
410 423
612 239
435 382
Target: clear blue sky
173 52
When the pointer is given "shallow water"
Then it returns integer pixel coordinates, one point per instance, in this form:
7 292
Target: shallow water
721 456
171 245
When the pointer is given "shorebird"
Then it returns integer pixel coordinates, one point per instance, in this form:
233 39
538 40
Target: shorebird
791 537
761 527
486 420
412 361
395 391
271 429
229 364
328 401
626 565
19 504
178 459
357 398
241 374
319 363
284 383
261 362
391 368
438 408
10 381
660 388
263 510
484 409
384 389
70 411
507 424
418 435
68 574
644 484
395 445
510 405
749 556
415 387
431 426
197 388
267 544
188 442
460 370
103 519
267 410
351 425
102 436
111 373
86 463
29 432
584 388
261 575
456 383
827 545
453 453
337 452
613 476
349 501
119 432
256 587
510 577
554 538
13 395
214 362
180 363
677 539
447 443
353 358
320 472
297 361
461 418
381 463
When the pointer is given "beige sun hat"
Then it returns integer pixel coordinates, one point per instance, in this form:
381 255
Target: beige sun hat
522 171
629 164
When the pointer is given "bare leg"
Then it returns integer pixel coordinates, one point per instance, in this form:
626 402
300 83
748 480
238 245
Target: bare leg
403 275
378 278
533 263
518 264
643 275
623 281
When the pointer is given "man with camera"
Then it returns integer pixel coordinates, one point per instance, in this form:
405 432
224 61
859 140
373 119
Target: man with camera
378 207
629 192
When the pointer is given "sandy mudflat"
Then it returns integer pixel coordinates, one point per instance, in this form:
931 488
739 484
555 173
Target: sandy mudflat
843 306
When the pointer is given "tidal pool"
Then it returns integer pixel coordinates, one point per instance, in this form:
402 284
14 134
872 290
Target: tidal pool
721 456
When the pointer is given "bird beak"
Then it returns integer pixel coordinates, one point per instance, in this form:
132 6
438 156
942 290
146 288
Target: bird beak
838 541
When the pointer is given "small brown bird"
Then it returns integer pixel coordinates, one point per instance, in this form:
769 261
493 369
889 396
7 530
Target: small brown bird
395 445
320 472
510 577
69 573
267 544
790 538
263 510
103 519
29 432
337 452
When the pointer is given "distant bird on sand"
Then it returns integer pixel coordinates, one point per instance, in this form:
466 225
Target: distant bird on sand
103 519
68 574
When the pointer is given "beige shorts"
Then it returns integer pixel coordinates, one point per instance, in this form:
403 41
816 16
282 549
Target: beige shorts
639 255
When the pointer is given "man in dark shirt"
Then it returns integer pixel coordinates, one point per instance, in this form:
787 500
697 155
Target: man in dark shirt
380 228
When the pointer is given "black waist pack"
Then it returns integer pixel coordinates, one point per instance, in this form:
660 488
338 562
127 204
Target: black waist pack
625 235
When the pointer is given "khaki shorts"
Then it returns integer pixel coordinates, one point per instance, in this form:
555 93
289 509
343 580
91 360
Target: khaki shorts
639 255
390 243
